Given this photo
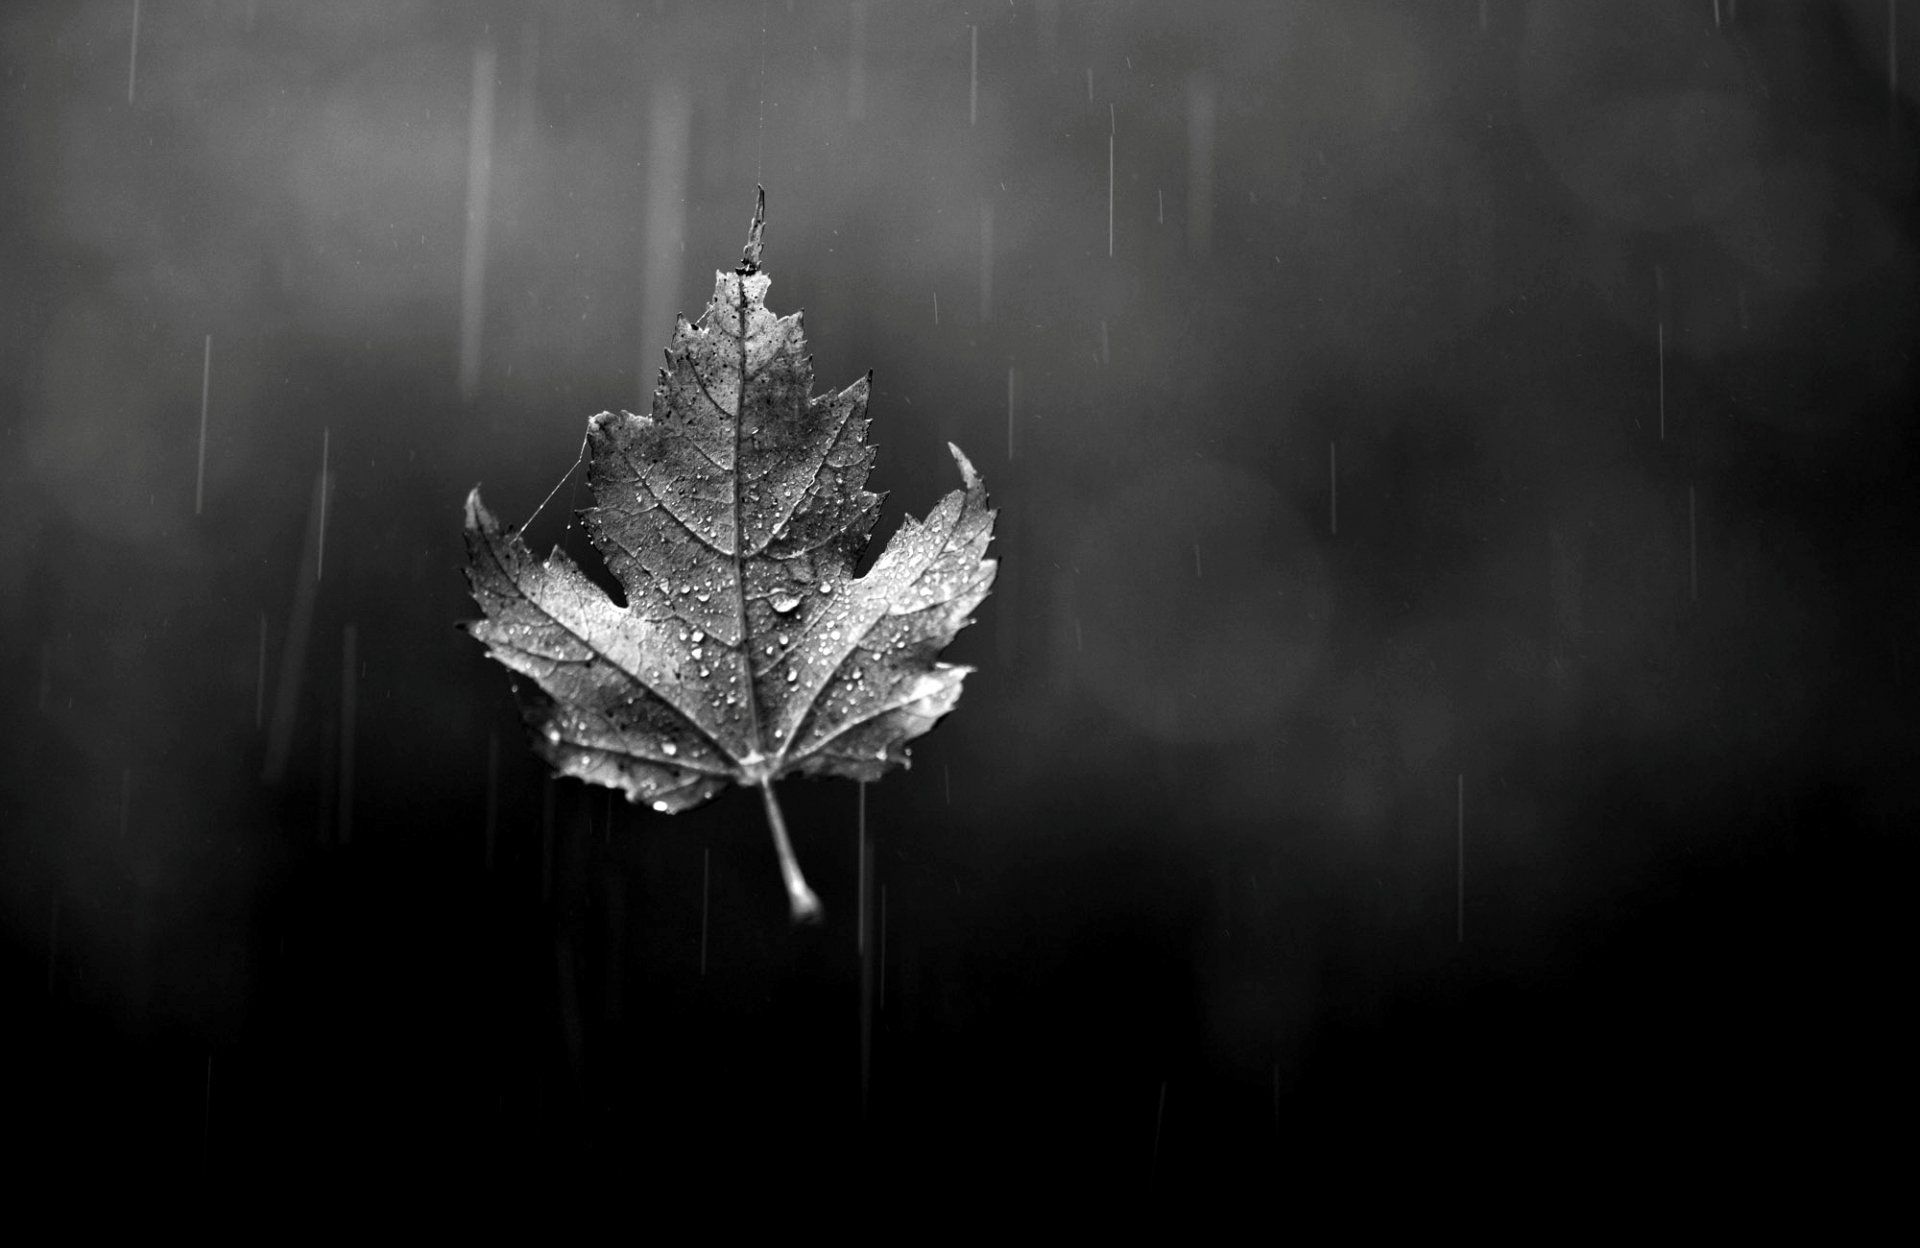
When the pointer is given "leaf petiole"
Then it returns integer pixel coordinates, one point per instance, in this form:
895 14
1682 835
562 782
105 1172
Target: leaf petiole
806 907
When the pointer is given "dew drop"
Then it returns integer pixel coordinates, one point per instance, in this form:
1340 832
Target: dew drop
661 807
784 603
793 674
670 748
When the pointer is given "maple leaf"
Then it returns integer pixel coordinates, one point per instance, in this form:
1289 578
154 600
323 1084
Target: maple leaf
734 514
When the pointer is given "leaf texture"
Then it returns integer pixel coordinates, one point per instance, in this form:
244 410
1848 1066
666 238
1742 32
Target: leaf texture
733 514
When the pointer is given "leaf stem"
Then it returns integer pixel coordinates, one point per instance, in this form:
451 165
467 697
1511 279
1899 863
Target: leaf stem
806 907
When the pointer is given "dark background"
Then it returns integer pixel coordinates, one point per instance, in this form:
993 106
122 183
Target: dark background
1536 823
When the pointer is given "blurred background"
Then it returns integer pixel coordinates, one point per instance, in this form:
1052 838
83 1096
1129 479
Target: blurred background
1444 720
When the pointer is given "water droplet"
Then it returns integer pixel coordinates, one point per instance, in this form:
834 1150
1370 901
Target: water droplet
784 603
698 637
661 807
705 672
696 652
686 588
670 748
793 674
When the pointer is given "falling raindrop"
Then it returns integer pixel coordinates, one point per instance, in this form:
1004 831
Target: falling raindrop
1199 166
1660 341
1460 861
1110 129
473 266
546 840
133 50
206 1115
1333 490
293 653
1159 1119
260 681
1893 70
349 698
320 546
1012 388
492 795
206 378
973 81
986 261
1693 547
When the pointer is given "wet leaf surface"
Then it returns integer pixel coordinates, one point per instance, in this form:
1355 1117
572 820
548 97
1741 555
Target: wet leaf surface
734 514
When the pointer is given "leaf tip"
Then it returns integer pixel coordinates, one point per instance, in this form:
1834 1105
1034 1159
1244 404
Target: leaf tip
967 473
476 510
750 255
